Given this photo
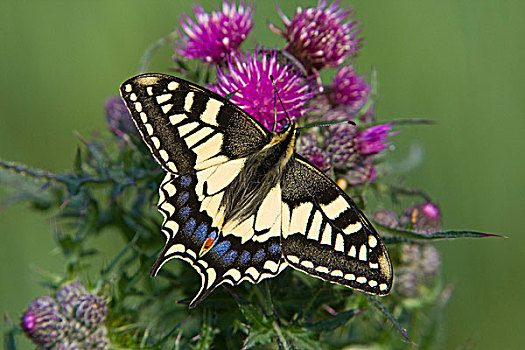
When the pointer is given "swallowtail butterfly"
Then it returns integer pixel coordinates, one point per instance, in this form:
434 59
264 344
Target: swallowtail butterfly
239 203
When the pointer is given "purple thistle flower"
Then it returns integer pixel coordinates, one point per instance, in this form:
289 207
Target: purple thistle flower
351 149
360 172
340 141
320 36
215 36
318 157
431 261
91 310
386 218
419 265
118 118
43 323
424 217
67 296
319 106
349 89
249 79
307 146
373 140
99 339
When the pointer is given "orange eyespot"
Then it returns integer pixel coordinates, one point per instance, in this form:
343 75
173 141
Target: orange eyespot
208 244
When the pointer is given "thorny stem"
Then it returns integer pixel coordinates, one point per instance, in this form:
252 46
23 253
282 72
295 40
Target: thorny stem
410 192
309 305
66 179
263 299
35 173
280 335
373 94
269 301
413 121
114 261
390 317
148 54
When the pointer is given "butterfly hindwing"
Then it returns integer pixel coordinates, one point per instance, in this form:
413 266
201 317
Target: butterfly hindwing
187 227
187 127
325 235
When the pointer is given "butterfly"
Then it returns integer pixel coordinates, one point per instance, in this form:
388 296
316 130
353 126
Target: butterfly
239 204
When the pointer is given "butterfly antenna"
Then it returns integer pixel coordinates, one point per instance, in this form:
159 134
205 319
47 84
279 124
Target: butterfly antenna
274 106
323 124
281 101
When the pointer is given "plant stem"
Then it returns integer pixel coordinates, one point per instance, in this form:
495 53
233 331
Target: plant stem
148 54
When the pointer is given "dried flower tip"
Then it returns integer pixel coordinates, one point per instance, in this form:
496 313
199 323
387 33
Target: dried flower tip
42 322
67 296
320 36
349 89
215 36
386 218
249 79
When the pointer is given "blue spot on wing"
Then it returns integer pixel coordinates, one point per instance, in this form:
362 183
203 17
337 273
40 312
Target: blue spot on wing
221 248
182 198
184 180
201 231
230 257
274 248
189 227
245 257
259 255
184 212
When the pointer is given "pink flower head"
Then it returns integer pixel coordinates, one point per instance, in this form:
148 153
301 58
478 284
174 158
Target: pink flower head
375 139
249 79
320 36
43 323
425 217
215 36
349 89
430 210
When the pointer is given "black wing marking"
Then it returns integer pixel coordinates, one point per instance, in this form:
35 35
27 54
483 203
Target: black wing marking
326 235
188 127
187 227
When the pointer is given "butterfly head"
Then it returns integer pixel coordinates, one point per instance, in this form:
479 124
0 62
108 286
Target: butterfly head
289 127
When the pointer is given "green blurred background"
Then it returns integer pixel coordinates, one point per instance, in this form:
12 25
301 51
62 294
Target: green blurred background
460 63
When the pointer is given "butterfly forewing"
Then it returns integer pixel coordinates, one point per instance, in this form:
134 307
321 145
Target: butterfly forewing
325 235
202 141
188 127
